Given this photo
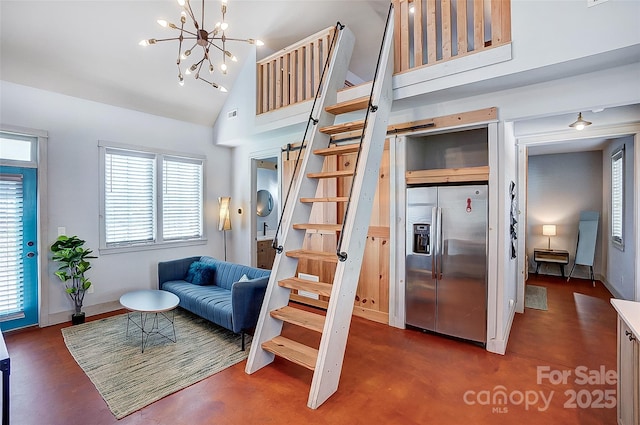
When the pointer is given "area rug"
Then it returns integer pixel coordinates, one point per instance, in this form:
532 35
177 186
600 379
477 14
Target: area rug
535 297
128 379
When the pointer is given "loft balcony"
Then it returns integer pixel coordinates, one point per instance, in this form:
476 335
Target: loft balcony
432 39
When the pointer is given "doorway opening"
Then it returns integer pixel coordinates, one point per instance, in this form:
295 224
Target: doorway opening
265 208
561 176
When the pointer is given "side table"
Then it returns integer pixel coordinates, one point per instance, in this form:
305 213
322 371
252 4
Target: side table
151 301
557 256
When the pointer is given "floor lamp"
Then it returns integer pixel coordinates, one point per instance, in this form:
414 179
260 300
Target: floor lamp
224 223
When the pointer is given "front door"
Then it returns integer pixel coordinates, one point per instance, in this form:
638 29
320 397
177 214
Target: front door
18 248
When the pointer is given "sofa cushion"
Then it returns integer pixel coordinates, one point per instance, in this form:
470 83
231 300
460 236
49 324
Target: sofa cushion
210 302
228 273
201 273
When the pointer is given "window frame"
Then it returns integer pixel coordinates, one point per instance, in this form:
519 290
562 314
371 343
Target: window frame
159 155
617 240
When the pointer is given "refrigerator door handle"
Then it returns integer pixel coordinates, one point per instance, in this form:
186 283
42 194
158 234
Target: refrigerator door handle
434 242
440 243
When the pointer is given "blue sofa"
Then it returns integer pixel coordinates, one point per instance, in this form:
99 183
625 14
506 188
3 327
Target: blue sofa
227 294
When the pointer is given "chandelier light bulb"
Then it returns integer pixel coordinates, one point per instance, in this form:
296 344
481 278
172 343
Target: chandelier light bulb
144 43
181 2
224 26
187 71
162 23
223 68
222 89
193 67
180 80
210 69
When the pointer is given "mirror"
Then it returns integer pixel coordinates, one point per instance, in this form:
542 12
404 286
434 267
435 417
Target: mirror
264 202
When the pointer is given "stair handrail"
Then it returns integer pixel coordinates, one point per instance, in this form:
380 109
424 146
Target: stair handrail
338 27
342 256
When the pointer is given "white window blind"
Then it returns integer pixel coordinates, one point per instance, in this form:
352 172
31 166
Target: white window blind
617 196
11 252
181 199
129 198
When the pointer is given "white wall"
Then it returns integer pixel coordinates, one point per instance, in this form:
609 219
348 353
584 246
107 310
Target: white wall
507 266
74 127
620 272
560 186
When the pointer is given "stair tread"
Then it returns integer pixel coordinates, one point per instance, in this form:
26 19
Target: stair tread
298 317
338 150
293 351
343 128
348 106
318 226
307 254
320 288
325 199
330 174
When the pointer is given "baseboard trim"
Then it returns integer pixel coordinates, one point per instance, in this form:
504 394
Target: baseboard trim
499 346
611 288
92 310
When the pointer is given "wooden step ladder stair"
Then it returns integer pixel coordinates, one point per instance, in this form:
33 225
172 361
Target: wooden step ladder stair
326 360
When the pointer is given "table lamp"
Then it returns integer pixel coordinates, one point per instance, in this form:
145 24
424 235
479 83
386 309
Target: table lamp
549 230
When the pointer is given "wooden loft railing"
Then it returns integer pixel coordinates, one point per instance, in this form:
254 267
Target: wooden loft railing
292 75
434 31
426 32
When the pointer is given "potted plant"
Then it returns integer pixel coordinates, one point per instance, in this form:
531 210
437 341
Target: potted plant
72 256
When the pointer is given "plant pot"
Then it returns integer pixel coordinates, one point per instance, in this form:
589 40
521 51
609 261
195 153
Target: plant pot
77 318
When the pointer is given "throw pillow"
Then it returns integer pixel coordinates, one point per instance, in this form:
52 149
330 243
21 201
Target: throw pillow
200 273
244 278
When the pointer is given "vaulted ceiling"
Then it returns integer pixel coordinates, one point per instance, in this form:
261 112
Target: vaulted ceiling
89 49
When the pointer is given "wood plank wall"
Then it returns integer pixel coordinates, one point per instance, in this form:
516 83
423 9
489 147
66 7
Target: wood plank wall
372 296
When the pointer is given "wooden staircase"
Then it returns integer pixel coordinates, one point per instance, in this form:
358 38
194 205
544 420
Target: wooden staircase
326 360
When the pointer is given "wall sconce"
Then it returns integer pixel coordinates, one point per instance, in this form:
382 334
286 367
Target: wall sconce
224 223
580 124
549 230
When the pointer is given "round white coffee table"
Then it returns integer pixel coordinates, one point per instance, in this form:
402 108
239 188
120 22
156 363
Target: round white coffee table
147 302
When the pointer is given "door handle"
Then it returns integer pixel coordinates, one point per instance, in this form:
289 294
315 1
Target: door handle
440 242
434 242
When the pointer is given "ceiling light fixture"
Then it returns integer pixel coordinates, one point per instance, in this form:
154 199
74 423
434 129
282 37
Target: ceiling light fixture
580 124
216 39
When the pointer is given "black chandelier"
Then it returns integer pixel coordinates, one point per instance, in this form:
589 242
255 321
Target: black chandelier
215 39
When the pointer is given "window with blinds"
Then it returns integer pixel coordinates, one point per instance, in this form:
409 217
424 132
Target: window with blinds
11 255
181 199
135 214
129 198
617 197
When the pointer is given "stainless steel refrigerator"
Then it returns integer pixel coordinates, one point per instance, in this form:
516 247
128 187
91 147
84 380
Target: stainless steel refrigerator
446 260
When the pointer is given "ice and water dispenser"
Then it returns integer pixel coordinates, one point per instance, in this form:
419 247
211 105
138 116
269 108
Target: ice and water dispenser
421 239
